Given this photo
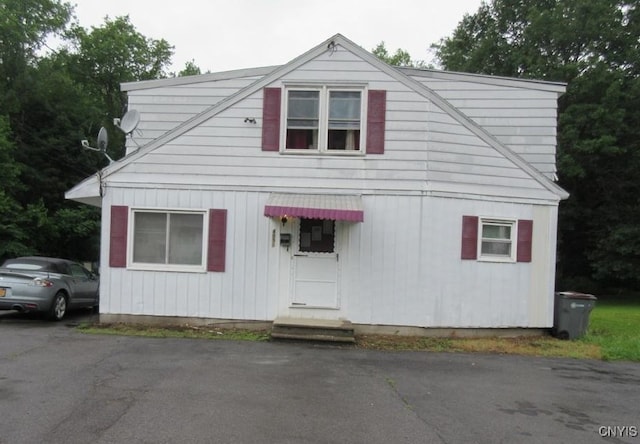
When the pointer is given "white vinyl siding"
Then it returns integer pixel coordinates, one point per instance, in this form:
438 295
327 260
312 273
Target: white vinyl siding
521 115
163 108
426 150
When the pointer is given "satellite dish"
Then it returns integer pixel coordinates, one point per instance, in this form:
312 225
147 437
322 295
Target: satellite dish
129 121
103 142
103 139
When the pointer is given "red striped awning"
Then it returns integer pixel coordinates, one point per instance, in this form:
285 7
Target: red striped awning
315 206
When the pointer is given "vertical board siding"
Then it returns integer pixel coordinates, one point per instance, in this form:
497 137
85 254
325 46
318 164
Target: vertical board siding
544 254
408 269
401 266
231 295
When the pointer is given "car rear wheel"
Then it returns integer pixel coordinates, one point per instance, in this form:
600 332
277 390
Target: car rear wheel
58 307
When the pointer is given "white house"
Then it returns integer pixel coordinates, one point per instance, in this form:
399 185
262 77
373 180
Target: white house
334 187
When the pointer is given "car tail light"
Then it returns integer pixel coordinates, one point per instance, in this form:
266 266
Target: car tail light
41 282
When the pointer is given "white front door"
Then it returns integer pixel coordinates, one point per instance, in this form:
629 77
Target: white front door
314 274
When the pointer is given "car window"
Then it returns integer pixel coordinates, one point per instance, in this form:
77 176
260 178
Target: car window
78 271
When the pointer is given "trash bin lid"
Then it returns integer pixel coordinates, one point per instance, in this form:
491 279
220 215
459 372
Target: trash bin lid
576 295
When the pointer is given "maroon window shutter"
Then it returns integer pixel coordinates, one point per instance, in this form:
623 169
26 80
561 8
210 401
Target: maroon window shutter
271 119
217 240
376 111
525 239
118 236
469 237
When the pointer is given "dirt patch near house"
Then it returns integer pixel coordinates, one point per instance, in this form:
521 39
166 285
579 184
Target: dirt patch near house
175 331
523 345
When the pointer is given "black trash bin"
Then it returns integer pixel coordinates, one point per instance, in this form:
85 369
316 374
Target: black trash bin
571 314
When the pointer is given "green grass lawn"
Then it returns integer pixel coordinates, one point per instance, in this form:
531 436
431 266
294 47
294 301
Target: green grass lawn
615 327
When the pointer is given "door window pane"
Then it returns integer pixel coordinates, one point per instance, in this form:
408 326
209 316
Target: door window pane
317 235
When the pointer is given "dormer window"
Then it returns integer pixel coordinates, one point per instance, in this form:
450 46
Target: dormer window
324 119
344 124
321 119
303 120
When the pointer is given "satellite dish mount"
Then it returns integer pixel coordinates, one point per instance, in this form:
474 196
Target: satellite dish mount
103 143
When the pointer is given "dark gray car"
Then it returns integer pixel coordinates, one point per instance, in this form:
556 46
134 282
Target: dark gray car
47 285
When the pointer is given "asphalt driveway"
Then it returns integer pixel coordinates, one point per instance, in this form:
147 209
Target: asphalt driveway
59 385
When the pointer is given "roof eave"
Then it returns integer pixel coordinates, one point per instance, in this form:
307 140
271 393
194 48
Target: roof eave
86 192
543 85
200 78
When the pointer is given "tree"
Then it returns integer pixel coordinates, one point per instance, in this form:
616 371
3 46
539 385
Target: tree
542 39
109 55
190 69
400 58
17 222
12 234
51 102
24 27
593 46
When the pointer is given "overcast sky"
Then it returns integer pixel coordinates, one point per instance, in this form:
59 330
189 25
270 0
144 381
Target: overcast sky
221 35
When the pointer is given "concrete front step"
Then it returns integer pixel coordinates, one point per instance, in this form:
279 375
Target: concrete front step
313 330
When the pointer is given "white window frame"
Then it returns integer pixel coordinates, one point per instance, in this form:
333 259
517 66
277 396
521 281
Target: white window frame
323 118
511 223
201 268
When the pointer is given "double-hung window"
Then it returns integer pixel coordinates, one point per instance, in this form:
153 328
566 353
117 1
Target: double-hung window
324 120
170 239
497 239
497 242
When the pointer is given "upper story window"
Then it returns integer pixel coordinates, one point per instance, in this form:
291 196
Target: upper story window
324 119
